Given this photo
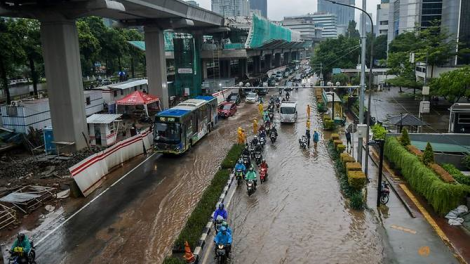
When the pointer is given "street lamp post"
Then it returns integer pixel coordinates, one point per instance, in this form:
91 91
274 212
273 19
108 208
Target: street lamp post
366 167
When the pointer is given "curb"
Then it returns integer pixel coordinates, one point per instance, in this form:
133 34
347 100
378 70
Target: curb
205 233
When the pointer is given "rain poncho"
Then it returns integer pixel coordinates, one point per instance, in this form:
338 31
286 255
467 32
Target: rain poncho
316 137
221 212
24 244
250 176
223 239
240 166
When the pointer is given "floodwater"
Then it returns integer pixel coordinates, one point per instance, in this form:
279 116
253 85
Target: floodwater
299 215
137 220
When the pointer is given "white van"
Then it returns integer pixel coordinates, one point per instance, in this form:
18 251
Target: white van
288 112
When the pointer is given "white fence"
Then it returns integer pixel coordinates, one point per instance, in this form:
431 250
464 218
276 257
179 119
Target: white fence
89 173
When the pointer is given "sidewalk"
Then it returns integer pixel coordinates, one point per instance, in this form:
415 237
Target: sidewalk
409 237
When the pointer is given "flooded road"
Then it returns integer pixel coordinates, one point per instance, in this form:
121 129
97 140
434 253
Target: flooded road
138 218
299 214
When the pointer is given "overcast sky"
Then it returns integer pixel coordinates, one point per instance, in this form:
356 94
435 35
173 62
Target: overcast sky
277 9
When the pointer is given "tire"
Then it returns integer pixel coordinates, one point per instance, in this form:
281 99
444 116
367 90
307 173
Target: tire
384 199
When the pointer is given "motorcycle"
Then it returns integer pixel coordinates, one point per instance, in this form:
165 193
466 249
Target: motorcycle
246 161
271 115
221 254
258 157
263 175
250 187
287 96
239 176
218 223
17 256
303 142
262 141
384 193
273 137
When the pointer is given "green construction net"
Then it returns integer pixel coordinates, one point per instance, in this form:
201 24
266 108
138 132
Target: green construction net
263 31
169 35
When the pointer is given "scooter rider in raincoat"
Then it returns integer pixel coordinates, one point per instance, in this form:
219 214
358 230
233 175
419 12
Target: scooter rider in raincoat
246 151
224 238
251 176
240 166
21 241
225 224
220 211
264 165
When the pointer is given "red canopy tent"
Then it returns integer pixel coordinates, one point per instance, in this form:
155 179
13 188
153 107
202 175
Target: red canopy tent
138 98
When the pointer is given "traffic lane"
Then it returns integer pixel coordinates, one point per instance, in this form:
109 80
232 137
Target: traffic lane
299 215
114 224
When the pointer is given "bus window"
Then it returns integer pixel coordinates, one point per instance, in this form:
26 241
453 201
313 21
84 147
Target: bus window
168 132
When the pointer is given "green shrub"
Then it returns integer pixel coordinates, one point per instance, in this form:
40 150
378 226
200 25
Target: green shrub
428 155
232 156
340 148
329 124
321 108
466 161
443 197
357 200
456 173
173 260
379 132
203 211
356 179
405 138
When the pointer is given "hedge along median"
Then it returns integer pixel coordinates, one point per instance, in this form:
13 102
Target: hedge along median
197 221
442 196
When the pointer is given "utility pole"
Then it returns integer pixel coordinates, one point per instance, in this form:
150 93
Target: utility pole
363 79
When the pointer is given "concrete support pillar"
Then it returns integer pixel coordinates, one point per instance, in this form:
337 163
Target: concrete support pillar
267 62
229 69
243 68
64 83
225 71
286 58
256 64
204 69
293 55
156 63
277 60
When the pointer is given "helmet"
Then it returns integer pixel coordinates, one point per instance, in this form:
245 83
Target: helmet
221 206
264 161
223 229
224 224
240 161
251 168
21 236
256 137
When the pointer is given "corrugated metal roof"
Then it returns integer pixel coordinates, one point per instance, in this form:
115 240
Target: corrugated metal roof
102 118
173 112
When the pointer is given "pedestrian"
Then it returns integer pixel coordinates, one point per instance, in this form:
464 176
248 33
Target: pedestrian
348 138
260 109
255 127
316 138
308 111
307 133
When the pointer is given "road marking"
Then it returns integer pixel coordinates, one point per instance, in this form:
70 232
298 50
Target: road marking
94 199
424 251
404 229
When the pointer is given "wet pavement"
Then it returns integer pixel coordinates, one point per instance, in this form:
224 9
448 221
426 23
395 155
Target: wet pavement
137 218
299 215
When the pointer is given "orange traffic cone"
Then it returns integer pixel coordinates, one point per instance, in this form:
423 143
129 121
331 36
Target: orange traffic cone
188 255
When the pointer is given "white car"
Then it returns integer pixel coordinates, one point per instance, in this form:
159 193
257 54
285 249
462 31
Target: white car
251 98
288 112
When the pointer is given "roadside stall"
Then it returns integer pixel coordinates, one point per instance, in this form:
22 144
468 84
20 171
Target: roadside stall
103 129
139 98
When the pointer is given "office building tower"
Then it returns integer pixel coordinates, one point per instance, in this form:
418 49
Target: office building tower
261 5
344 14
231 8
325 22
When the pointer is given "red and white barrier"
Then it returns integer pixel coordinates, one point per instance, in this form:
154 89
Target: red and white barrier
89 173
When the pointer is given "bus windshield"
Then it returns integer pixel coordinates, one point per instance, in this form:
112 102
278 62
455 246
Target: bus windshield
288 110
168 132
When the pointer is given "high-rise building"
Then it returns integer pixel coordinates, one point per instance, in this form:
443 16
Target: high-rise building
456 19
261 5
324 21
344 14
192 2
381 25
306 27
231 8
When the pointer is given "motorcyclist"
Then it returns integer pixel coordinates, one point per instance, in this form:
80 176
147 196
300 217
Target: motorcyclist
21 241
251 175
255 140
262 133
287 95
240 166
220 211
224 238
278 101
264 165
273 130
246 151
225 224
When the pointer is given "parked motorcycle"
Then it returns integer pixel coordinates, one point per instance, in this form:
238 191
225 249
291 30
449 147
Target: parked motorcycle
221 254
250 187
239 176
303 142
263 175
384 193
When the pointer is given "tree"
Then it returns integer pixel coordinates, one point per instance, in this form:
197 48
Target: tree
428 155
89 47
380 47
453 85
352 32
437 46
341 78
405 138
11 54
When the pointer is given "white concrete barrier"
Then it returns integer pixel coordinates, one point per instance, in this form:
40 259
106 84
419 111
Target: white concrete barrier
89 173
